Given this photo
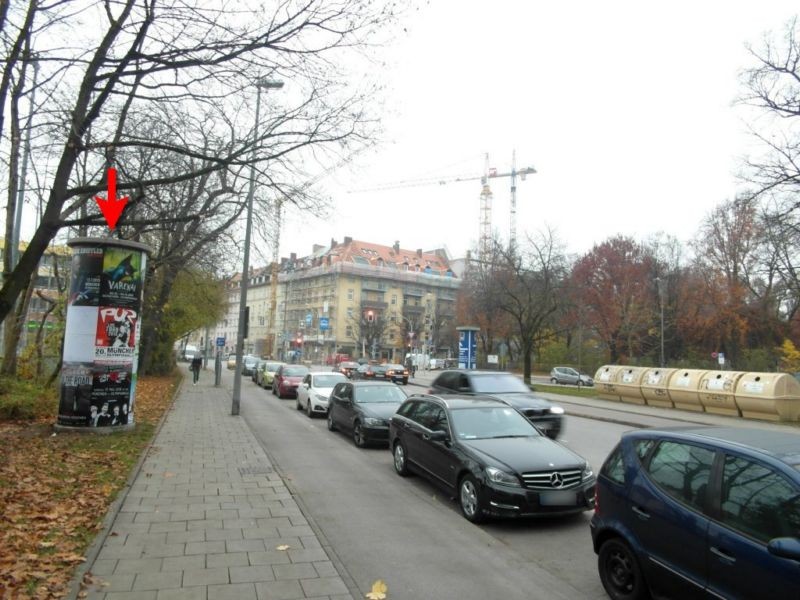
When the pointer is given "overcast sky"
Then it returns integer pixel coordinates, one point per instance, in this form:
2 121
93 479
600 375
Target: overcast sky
625 109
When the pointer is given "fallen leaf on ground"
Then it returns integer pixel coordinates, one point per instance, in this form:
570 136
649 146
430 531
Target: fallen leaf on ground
378 592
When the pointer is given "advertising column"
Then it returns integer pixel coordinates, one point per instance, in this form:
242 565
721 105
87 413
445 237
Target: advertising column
101 340
467 347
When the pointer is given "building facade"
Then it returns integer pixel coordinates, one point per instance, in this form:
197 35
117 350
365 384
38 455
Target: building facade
355 298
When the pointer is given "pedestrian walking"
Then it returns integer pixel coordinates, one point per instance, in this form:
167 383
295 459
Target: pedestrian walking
197 363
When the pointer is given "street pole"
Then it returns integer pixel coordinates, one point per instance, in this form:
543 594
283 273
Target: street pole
661 307
237 376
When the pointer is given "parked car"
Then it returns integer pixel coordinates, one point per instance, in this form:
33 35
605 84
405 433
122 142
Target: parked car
396 374
249 364
266 373
570 376
489 456
231 361
286 380
188 352
346 368
368 371
364 408
258 366
315 390
700 512
506 387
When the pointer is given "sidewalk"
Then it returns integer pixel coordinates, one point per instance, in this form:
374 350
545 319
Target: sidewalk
207 518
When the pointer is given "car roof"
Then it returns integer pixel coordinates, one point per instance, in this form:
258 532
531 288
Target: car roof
371 383
456 402
783 445
475 372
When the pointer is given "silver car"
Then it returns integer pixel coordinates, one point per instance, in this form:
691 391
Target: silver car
570 376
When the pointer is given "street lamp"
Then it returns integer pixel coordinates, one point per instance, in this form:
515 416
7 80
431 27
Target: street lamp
661 307
267 84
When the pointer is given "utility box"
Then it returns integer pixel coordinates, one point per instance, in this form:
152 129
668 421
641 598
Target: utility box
628 382
717 392
655 389
768 396
604 381
684 387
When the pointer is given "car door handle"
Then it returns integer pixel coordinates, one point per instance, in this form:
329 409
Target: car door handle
724 556
642 514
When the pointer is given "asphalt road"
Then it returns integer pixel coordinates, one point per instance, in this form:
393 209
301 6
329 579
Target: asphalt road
407 533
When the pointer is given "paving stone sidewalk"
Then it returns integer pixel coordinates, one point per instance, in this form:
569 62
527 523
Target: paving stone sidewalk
207 518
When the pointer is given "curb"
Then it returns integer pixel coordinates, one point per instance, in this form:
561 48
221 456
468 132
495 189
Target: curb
74 587
347 579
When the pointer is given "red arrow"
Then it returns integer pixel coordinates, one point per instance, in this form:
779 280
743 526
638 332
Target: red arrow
111 207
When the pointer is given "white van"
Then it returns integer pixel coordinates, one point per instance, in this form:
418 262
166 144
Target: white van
188 352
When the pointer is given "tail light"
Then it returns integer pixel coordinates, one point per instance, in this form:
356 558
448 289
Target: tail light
596 500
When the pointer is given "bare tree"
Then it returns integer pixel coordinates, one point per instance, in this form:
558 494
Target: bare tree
191 71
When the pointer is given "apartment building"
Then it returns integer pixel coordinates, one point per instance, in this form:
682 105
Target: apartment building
354 297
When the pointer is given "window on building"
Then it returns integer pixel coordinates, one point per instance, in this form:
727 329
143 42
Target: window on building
350 294
350 312
348 331
394 298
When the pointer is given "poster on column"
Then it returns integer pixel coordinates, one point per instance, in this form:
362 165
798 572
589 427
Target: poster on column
76 394
115 340
111 392
122 277
87 267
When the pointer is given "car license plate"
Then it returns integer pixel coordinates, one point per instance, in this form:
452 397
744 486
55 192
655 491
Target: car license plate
559 498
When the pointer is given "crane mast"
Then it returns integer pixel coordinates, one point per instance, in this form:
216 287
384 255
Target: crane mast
485 216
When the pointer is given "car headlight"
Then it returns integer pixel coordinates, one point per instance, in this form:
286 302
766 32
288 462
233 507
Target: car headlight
587 472
556 410
372 421
320 398
501 477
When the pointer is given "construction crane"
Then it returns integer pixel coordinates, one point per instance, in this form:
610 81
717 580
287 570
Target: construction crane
485 218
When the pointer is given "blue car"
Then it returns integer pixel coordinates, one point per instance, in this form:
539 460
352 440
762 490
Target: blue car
700 512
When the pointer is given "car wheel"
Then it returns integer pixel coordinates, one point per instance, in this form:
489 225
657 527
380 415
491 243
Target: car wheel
358 435
331 424
297 404
579 383
405 381
400 465
274 393
554 381
619 571
469 499
309 412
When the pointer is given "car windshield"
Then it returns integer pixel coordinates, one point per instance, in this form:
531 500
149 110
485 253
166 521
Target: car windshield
272 367
491 422
379 393
378 368
396 367
348 365
250 360
327 381
500 383
295 371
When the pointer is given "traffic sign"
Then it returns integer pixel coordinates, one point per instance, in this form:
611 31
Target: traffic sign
323 323
220 342
309 319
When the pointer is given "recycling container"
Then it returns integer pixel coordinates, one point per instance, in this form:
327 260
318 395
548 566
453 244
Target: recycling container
716 392
628 382
605 382
768 396
684 387
654 387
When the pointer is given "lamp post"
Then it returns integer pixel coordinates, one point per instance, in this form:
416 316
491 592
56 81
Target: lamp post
266 84
661 308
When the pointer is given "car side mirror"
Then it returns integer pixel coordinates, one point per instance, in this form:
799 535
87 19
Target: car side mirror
785 547
437 436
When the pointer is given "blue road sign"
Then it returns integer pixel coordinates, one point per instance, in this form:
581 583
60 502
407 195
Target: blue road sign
323 323
221 342
309 319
